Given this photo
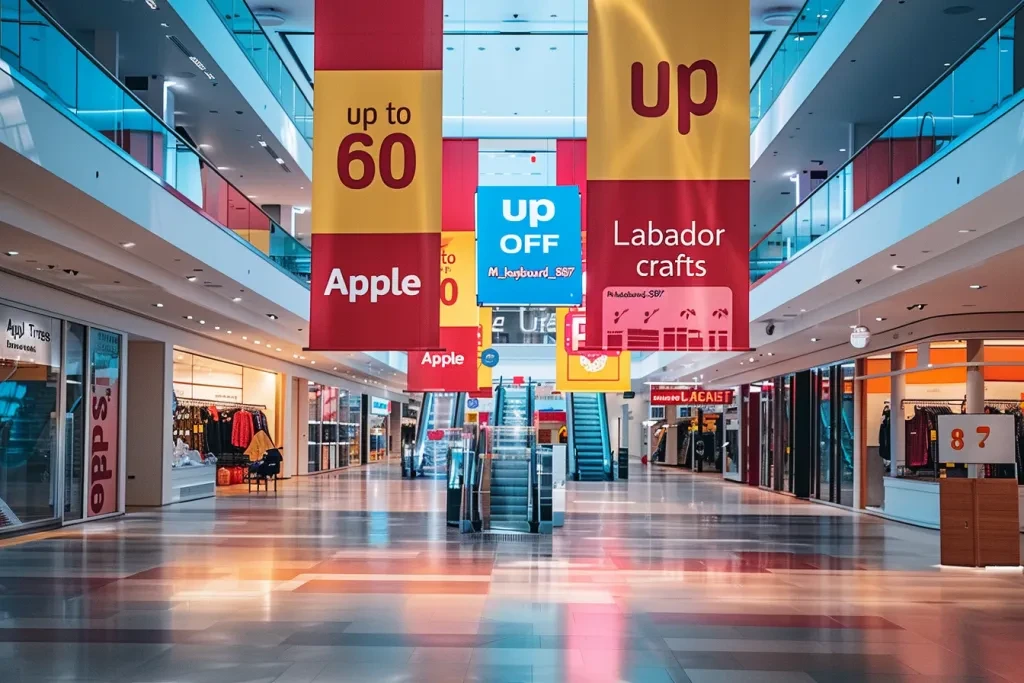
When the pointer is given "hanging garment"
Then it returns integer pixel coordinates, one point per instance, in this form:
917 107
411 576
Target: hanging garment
242 429
261 443
885 435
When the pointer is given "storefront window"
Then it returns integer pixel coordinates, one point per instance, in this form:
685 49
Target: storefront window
29 389
824 436
378 425
104 421
848 371
74 422
331 428
353 429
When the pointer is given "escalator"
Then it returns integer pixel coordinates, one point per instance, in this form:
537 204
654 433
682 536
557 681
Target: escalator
588 438
440 412
511 458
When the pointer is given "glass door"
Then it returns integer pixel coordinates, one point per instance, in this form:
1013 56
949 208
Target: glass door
74 422
767 435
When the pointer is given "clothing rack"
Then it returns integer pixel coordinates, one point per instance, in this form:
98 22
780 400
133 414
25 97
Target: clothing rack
199 403
931 402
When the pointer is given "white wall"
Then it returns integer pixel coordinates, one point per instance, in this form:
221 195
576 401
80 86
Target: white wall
638 411
149 423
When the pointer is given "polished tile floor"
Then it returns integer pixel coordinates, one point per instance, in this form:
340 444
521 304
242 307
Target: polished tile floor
355 577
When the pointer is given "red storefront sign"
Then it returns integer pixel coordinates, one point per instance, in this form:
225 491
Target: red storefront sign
667 396
452 367
103 446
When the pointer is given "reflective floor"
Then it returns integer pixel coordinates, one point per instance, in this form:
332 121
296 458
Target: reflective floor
355 577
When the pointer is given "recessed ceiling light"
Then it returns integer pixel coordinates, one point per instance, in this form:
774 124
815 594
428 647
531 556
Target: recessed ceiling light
216 327
127 245
261 141
967 230
278 349
335 367
312 362
163 25
948 64
12 253
803 310
279 160
842 149
814 339
159 305
223 168
271 316
918 307
188 317
190 278
982 18
897 266
853 327
770 353
252 196
880 319
244 338
230 332
295 355
302 358
268 345
751 360
977 286
257 342
896 97
237 299
205 145
202 322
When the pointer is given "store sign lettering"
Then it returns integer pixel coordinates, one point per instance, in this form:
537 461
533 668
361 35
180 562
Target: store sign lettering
24 337
99 472
695 397
687 106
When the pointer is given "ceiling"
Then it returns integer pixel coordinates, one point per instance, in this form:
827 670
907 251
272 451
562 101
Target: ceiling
919 37
215 114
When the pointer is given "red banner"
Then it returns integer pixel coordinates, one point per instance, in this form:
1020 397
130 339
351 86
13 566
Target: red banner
377 175
379 300
452 367
668 172
667 396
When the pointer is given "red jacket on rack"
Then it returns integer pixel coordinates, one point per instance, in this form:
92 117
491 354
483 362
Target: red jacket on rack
242 429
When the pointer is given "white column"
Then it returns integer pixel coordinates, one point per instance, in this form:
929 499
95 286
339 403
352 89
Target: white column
975 376
897 429
287 439
671 436
150 423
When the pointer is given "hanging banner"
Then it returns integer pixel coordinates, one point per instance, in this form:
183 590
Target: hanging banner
668 175
529 249
458 280
577 369
485 373
377 175
452 367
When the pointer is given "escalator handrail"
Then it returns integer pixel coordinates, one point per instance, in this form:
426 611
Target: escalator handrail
606 446
570 405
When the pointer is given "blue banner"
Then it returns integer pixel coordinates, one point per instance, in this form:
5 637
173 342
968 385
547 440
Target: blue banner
529 250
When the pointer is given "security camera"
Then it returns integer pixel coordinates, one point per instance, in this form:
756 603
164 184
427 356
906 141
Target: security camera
769 329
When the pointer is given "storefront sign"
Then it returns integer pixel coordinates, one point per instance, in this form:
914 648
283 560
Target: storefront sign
671 396
977 439
452 367
28 337
104 422
668 175
377 170
524 325
579 370
529 249
379 406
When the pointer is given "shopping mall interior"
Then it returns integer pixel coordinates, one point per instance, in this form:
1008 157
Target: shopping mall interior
720 379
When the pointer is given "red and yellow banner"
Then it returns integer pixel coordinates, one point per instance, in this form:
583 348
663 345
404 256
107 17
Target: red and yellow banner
577 369
376 175
668 175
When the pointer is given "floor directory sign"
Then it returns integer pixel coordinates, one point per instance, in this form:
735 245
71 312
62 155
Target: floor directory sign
529 248
668 201
377 176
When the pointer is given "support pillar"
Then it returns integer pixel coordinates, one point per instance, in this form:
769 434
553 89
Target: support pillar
975 377
897 428
671 435
803 446
149 423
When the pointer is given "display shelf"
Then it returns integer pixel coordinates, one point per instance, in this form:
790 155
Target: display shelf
193 482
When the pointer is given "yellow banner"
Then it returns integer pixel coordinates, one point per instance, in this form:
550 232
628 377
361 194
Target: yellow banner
458 280
377 158
668 84
485 375
585 371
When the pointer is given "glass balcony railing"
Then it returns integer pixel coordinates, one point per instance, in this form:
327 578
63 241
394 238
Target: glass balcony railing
808 25
970 94
250 36
39 54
